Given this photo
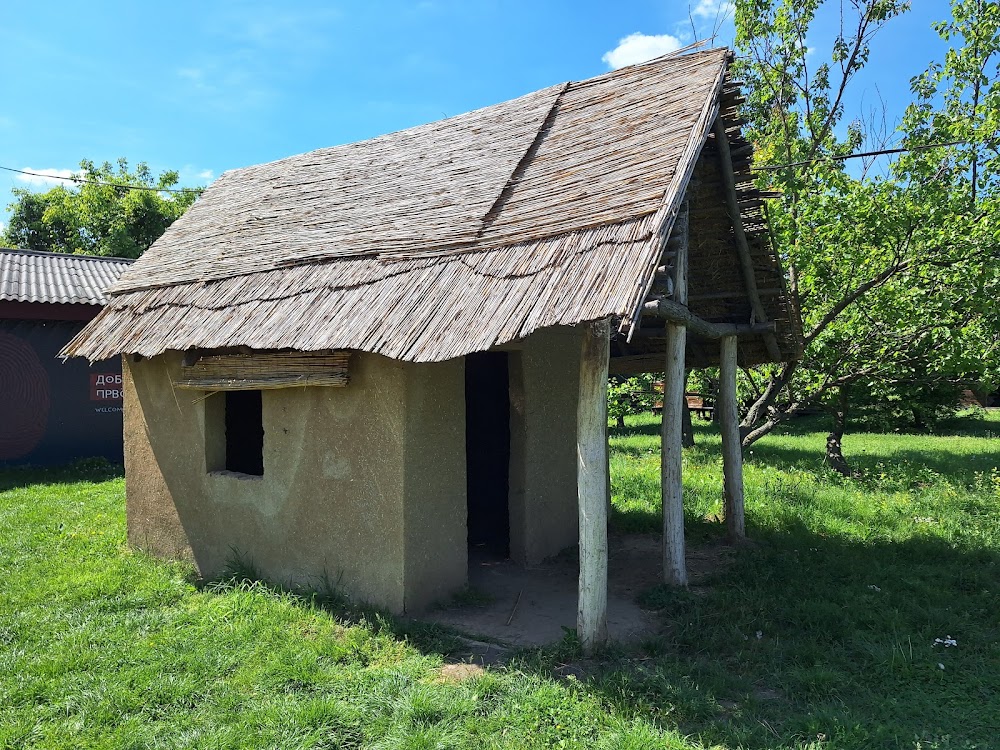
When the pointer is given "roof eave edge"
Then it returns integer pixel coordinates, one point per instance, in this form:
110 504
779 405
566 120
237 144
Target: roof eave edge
674 194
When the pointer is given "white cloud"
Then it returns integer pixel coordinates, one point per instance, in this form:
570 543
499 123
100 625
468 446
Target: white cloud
637 48
206 174
47 176
712 9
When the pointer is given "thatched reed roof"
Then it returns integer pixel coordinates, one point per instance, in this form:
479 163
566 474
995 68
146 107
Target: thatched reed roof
437 241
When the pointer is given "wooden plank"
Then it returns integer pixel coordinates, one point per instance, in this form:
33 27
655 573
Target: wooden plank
592 491
732 449
263 370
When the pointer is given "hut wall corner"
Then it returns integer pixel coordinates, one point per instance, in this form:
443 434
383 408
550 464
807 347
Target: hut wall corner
329 506
435 536
544 395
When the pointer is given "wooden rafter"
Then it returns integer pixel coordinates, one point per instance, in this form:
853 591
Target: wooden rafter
742 245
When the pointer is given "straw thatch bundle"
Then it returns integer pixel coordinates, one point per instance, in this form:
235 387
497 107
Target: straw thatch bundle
445 239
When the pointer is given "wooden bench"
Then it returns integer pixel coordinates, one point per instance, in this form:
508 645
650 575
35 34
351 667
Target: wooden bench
700 404
703 406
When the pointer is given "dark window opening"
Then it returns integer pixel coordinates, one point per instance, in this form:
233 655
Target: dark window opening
244 432
487 447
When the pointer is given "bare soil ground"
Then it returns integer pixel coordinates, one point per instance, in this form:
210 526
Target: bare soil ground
536 605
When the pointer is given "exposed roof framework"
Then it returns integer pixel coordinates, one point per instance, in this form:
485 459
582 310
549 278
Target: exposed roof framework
471 232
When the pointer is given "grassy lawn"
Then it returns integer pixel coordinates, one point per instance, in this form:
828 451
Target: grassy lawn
819 634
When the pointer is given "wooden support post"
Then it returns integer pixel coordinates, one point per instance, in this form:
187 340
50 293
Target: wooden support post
592 490
674 566
671 430
732 449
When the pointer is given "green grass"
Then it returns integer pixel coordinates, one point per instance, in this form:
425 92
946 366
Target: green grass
820 634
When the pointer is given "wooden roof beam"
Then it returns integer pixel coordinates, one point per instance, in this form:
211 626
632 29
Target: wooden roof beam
678 313
742 246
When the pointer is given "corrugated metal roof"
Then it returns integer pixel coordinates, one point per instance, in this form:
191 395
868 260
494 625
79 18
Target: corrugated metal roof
30 276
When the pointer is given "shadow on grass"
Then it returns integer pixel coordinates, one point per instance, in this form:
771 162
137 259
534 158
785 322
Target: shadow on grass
325 594
651 426
806 638
957 467
91 470
919 464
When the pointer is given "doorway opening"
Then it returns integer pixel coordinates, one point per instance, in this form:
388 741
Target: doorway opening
487 453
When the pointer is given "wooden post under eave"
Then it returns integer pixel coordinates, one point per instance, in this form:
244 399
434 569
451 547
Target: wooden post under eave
671 430
732 449
592 488
674 566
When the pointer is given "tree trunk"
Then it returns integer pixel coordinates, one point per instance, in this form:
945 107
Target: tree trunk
620 422
834 451
687 429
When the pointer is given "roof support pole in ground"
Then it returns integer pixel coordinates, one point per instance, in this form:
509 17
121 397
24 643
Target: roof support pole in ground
732 449
672 427
674 566
592 490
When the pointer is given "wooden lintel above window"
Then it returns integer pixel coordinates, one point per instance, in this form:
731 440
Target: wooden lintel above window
262 370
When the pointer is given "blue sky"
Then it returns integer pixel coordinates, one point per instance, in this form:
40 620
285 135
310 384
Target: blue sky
203 87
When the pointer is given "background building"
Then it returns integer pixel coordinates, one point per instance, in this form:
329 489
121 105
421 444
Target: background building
53 411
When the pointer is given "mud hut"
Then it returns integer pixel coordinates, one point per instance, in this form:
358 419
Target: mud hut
373 361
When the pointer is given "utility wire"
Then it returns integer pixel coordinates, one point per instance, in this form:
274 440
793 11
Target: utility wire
84 180
843 157
764 168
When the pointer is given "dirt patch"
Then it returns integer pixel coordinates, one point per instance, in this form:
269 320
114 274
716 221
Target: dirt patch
766 694
530 606
458 672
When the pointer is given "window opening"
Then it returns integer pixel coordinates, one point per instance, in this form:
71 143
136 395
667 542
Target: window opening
244 432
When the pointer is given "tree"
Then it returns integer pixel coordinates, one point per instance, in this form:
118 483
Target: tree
894 269
630 396
109 211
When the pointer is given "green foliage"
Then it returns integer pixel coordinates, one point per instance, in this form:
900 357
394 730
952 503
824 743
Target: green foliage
896 265
921 407
95 218
631 395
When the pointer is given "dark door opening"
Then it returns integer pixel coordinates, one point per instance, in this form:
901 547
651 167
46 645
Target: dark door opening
487 452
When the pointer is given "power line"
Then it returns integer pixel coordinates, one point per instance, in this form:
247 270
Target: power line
83 180
763 168
843 157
